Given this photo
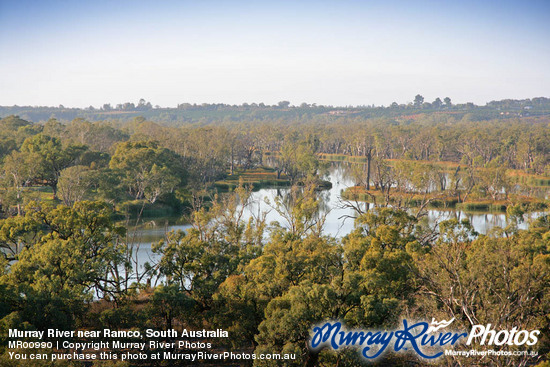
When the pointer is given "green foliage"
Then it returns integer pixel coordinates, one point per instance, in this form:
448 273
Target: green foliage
67 266
289 318
300 210
62 255
19 170
503 281
50 158
306 281
74 184
149 171
299 159
169 302
215 248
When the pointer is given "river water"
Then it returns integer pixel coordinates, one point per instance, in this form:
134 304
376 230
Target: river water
338 223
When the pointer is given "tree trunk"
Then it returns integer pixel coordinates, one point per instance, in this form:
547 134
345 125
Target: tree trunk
232 158
369 158
54 189
18 203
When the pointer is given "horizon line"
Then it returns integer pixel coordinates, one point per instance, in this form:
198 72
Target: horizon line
256 104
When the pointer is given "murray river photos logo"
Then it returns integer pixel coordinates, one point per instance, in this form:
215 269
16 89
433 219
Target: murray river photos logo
427 340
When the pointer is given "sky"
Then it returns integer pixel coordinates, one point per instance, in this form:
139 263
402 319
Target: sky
340 52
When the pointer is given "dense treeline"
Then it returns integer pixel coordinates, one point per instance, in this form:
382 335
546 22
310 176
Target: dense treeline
142 162
215 112
68 263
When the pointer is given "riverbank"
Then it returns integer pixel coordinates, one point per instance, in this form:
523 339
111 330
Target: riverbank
440 200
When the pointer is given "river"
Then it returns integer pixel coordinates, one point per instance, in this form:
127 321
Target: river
338 223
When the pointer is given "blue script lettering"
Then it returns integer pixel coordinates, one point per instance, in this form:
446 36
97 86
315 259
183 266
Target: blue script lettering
333 335
321 335
405 335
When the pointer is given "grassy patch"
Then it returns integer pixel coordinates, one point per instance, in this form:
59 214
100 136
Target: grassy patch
527 179
257 178
438 201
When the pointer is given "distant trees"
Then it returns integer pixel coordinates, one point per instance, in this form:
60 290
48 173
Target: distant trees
211 112
97 136
208 152
436 104
418 101
283 104
127 106
143 105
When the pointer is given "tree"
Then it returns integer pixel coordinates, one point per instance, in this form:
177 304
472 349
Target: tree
169 302
300 211
288 320
218 245
283 104
494 181
12 123
128 106
19 170
13 130
107 185
16 234
383 177
498 280
437 103
364 145
365 280
97 136
448 103
299 159
144 105
74 184
418 101
54 128
205 151
149 171
68 258
52 158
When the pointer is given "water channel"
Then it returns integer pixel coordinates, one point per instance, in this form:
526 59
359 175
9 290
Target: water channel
338 222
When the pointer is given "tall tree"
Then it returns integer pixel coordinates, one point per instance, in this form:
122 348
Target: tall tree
149 170
52 158
418 101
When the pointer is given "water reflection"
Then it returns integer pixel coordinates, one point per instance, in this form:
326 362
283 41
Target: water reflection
339 218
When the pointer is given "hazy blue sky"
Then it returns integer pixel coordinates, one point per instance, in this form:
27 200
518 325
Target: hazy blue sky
81 53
